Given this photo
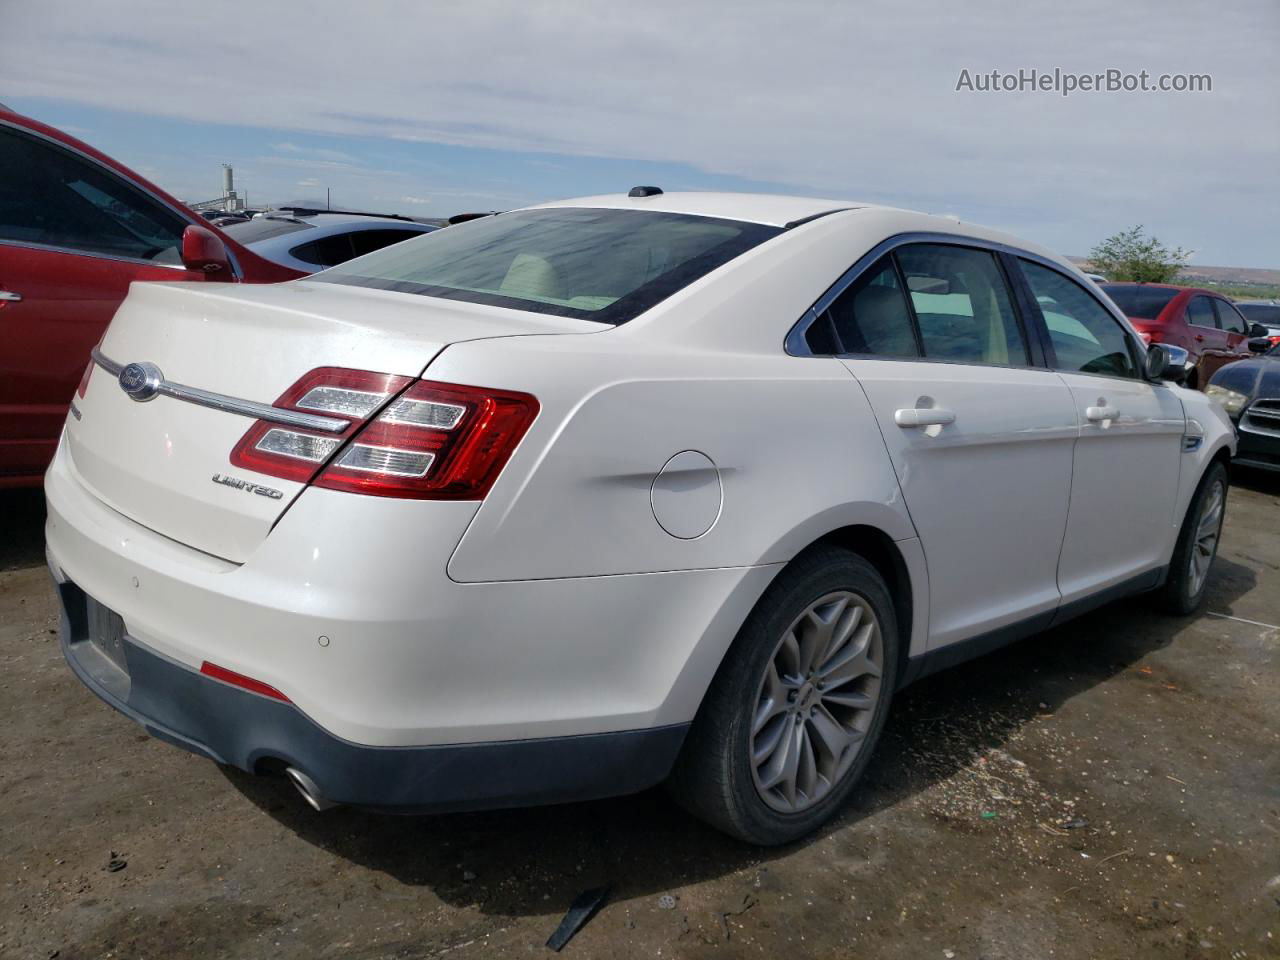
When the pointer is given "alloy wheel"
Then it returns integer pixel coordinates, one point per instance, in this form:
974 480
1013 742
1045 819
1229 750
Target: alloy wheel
1208 530
816 701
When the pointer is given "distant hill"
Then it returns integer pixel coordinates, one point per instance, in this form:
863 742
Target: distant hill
1242 282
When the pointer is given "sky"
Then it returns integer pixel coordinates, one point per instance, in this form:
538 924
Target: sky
432 108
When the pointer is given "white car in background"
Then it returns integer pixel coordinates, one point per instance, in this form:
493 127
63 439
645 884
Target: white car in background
312 240
576 499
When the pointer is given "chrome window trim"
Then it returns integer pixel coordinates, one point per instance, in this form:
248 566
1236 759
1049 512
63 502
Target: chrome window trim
228 404
189 216
796 345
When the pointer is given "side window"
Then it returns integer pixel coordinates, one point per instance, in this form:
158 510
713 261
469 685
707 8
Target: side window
872 315
1200 313
52 197
1084 335
1229 317
367 241
962 304
325 252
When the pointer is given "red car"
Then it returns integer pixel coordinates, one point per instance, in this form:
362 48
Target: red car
1206 324
76 228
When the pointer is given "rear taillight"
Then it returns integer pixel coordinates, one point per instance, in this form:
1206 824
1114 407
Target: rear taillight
295 453
431 441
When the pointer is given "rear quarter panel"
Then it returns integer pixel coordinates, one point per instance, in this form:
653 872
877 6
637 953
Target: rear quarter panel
797 450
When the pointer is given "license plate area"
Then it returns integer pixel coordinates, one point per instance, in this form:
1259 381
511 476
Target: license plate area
106 633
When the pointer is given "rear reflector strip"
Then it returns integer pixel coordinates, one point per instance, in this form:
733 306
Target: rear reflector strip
240 680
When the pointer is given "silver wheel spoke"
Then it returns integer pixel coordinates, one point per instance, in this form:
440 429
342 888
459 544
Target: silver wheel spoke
853 699
807 766
767 744
773 701
852 662
833 737
780 769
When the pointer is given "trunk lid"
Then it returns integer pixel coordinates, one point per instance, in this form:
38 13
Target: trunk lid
156 461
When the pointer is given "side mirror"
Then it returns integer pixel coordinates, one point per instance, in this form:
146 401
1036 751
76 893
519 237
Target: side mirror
1260 344
1167 362
1258 330
204 252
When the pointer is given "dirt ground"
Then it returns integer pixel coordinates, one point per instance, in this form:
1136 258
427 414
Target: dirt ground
1110 789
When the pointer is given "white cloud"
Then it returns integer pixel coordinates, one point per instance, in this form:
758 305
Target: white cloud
415 200
854 99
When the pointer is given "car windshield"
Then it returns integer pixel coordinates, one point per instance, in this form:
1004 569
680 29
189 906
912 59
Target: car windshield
592 264
1135 300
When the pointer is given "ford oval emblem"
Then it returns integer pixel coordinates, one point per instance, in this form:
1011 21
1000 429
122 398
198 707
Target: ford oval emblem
141 381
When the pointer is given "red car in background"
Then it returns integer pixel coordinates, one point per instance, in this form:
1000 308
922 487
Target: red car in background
1205 324
76 228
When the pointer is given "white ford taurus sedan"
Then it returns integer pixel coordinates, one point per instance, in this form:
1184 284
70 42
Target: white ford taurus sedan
578 499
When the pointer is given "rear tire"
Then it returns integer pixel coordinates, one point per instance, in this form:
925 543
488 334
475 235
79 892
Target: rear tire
790 721
1197 547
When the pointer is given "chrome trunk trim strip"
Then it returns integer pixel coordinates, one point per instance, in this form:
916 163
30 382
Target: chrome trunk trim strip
235 405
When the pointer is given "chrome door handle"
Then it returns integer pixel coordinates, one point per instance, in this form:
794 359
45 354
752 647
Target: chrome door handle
923 417
1099 414
10 296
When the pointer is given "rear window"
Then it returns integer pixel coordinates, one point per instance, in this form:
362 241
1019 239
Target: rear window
1138 301
604 265
264 228
1265 313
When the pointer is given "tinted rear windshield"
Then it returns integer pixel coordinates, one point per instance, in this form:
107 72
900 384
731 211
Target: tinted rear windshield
1261 313
1139 301
264 228
592 264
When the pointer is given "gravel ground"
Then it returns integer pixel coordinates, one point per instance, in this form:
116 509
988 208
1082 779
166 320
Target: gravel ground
1109 789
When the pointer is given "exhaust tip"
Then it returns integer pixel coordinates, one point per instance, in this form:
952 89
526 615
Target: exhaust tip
310 792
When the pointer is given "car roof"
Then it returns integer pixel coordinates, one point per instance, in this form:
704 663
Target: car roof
1160 286
767 208
343 219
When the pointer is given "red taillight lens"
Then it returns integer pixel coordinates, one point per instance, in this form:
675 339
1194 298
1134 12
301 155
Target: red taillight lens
431 441
436 441
84 380
240 680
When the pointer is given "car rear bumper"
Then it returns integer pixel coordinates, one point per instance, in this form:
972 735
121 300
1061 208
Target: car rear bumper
229 725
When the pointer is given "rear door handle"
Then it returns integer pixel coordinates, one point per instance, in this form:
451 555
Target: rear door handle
1099 414
923 417
10 296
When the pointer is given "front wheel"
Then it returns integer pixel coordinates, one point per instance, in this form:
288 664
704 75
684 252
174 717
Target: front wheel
790 721
1197 545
